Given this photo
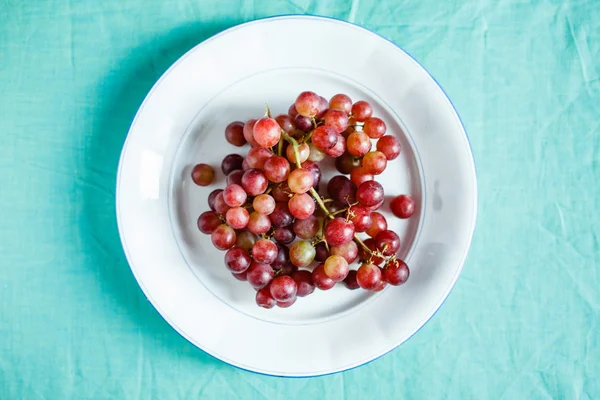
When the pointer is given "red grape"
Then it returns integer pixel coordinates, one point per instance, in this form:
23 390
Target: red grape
321 252
302 253
303 153
234 133
281 258
389 146
359 175
254 182
300 180
245 240
338 231
211 198
259 223
364 255
208 222
361 218
338 149
349 251
303 123
286 123
259 275
374 162
378 224
369 193
284 235
314 169
304 281
203 174
368 276
283 288
234 195
248 132
264 298
301 205
220 206
350 281
342 190
288 269
264 204
235 177
336 267
346 163
237 217
341 102
320 278
223 237
231 163
389 241
336 120
281 216
257 157
240 277
315 154
382 285
277 169
308 104
264 251
374 128
245 166
267 132
396 272
292 112
306 228
323 107
286 304
402 206
324 138
361 111
237 260
358 144
281 192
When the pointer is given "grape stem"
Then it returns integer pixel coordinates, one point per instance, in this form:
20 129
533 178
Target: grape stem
314 193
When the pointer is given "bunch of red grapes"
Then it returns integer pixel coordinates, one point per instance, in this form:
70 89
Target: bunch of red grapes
272 199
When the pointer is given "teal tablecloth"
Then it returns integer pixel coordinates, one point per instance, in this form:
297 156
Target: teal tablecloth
524 319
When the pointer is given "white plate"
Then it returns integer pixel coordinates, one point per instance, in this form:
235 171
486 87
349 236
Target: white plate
181 122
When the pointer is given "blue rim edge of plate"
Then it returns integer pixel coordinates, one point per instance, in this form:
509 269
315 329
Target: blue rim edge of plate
317 17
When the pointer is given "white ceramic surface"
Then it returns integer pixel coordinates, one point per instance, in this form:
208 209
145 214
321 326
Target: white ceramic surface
181 122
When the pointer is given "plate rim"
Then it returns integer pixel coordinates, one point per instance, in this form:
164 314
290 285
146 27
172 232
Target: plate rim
183 57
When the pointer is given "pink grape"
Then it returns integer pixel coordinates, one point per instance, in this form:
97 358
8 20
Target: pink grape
350 281
403 206
315 154
234 133
369 193
382 285
208 221
338 149
396 272
361 110
264 204
220 206
292 112
314 169
237 217
323 107
211 198
320 278
286 123
302 254
389 146
358 144
324 138
259 275
348 251
307 104
304 282
336 120
336 267
245 166
234 195
240 277
389 241
374 128
378 224
248 132
259 223
283 288
223 237
277 169
264 298
264 251
364 255
341 102
254 182
360 217
359 175
368 276
306 228
300 180
235 177
286 304
267 132
303 153
374 162
237 260
338 231
257 157
301 206
203 174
